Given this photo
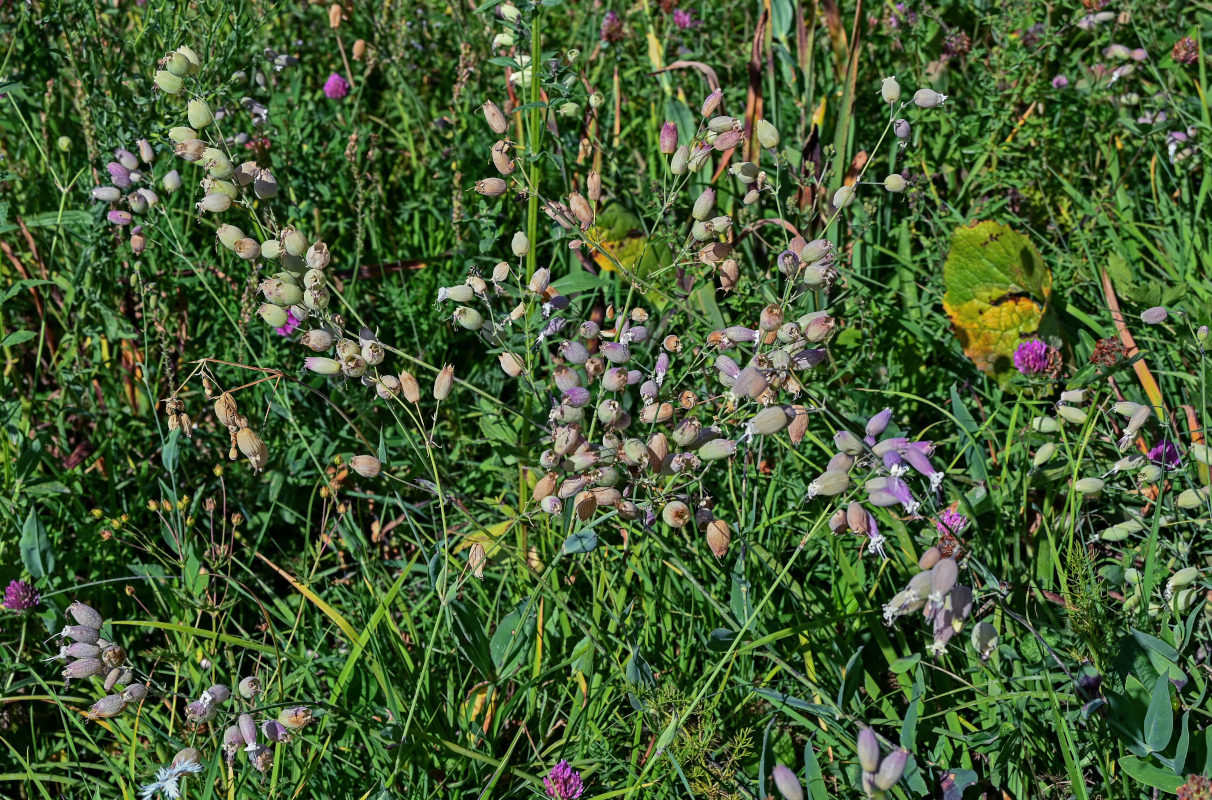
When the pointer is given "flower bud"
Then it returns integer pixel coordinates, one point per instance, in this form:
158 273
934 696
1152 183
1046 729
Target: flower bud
321 365
895 183
868 750
984 639
669 138
704 205
891 769
366 466
928 98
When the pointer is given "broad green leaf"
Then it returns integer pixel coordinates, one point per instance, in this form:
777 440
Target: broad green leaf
997 291
583 541
1159 720
35 549
1153 776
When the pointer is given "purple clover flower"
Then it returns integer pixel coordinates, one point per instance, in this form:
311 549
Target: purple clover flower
563 782
1060 82
1031 357
1165 454
336 87
952 522
292 324
612 28
21 596
683 19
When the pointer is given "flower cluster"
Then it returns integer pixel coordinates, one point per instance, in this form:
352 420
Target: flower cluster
21 596
935 593
563 782
89 656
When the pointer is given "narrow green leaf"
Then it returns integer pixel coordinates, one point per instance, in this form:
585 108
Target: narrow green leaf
1159 719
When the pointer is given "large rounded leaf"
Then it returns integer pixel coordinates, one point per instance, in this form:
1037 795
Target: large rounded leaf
997 290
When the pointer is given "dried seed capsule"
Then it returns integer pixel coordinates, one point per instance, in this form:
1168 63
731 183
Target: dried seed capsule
540 280
656 413
581 209
246 173
318 257
442 384
366 466
265 186
247 249
496 119
353 366
317 340
372 353
109 706
249 687
249 442
895 183
676 514
500 158
219 693
113 656
718 537
295 718
511 364
491 187
261 758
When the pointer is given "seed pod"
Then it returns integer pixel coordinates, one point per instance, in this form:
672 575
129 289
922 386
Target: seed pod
442 385
353 366
1089 486
135 693
1045 452
984 639
656 413
366 466
680 160
109 706
1072 414
500 158
249 687
829 483
168 83
718 537
84 668
928 98
843 197
890 90
767 134
215 203
520 244
704 205
219 693
767 421
1045 425
540 280
749 383
1192 498
711 102
496 119
84 615
106 194
373 353
901 129
295 718
669 138
891 769
218 165
199 114
247 249
895 183
717 449
491 187
81 633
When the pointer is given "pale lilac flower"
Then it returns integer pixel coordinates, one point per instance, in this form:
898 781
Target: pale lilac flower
563 782
1031 357
1165 454
1060 82
336 87
21 596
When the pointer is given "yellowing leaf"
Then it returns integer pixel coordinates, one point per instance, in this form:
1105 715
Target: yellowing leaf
997 291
